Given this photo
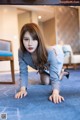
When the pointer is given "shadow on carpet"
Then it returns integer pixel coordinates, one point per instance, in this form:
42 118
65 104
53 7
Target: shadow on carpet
36 105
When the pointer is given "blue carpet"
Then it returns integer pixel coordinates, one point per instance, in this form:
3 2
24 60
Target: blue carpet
36 105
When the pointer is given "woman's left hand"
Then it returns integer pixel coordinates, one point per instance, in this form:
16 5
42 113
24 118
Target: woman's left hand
55 97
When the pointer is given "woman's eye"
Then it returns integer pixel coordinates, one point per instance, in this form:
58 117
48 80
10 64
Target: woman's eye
34 39
26 39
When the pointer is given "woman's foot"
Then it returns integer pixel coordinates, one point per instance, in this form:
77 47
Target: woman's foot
67 75
64 73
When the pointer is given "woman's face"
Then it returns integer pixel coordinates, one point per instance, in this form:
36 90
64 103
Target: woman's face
29 43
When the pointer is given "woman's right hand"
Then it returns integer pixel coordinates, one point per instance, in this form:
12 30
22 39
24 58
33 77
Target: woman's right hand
22 93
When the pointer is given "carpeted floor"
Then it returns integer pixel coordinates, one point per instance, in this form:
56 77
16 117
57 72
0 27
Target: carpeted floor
36 105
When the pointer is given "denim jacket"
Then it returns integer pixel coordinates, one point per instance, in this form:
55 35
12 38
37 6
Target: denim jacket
25 59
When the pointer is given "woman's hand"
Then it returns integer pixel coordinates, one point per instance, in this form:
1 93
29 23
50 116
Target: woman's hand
21 93
55 97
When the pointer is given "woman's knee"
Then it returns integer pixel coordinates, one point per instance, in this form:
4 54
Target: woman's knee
45 80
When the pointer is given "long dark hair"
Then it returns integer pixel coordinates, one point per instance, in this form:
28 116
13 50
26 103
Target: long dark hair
36 33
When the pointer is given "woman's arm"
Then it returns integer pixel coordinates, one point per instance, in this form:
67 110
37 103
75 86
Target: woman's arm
23 76
23 69
53 69
54 77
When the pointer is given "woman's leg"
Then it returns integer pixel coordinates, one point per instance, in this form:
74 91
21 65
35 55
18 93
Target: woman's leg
64 73
61 74
45 79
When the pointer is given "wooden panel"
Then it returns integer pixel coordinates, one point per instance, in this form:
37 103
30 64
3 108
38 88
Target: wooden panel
6 58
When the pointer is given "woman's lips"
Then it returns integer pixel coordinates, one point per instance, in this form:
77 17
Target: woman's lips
30 48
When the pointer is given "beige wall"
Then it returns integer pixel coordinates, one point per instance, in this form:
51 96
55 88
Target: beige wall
23 18
26 17
34 17
49 31
48 28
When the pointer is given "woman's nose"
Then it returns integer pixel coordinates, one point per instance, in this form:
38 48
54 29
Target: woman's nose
30 42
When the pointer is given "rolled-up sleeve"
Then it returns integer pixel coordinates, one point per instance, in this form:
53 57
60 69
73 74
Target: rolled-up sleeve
23 69
53 69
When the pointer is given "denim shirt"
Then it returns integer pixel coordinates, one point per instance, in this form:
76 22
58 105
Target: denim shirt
25 59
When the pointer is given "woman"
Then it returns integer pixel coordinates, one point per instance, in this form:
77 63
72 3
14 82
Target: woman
34 53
